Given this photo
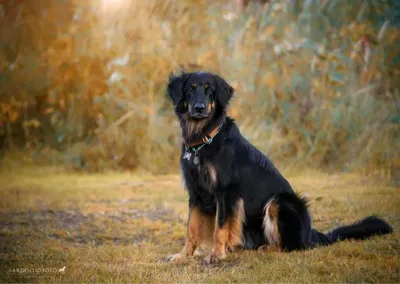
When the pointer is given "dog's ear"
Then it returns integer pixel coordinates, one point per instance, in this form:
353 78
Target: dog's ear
224 91
175 88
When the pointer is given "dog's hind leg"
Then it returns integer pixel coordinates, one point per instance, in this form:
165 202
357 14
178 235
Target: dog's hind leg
269 248
271 227
199 229
286 223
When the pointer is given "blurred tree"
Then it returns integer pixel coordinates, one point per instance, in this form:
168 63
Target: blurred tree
87 78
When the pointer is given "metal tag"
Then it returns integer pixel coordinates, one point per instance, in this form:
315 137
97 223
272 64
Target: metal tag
196 160
187 155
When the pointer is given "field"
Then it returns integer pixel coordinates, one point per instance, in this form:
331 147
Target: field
119 227
96 195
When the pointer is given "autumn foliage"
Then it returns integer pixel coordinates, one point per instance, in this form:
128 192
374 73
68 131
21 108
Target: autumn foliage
82 83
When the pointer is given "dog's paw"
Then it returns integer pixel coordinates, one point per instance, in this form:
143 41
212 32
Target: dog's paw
213 258
175 257
262 248
198 252
269 248
230 249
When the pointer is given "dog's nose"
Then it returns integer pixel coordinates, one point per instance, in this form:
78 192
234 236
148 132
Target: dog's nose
199 107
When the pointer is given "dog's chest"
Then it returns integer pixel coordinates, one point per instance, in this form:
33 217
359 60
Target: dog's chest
202 173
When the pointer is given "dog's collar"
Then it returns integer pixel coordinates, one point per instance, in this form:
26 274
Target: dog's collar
205 140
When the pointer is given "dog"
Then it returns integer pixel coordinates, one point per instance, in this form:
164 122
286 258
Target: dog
237 197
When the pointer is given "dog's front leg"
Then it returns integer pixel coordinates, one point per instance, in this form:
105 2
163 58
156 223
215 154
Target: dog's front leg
198 226
228 228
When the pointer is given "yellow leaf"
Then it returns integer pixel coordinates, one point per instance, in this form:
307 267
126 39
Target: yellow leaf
268 31
13 115
206 57
62 104
32 122
49 110
235 85
271 79
35 123
233 112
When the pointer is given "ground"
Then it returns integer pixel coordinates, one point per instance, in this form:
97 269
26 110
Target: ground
120 227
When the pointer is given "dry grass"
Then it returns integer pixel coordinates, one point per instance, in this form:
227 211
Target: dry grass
116 227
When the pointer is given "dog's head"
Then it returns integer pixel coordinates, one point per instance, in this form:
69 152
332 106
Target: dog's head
198 96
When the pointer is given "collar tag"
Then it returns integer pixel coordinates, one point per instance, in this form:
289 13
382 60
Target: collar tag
187 155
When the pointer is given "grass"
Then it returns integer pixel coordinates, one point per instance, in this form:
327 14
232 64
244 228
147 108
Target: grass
118 227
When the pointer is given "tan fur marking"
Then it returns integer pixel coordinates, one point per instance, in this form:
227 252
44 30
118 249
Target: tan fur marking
221 240
269 248
212 172
193 127
200 230
236 225
208 228
200 227
230 235
273 210
270 224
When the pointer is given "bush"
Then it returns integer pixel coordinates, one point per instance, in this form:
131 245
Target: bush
88 84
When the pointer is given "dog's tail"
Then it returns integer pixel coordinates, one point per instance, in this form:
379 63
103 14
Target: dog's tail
360 230
295 230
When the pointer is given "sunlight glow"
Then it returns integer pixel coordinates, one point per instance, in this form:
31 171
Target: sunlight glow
112 4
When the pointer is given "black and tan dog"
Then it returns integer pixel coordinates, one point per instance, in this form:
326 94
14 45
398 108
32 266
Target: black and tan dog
236 195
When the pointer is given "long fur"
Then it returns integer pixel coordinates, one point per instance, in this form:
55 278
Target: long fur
360 230
235 177
295 226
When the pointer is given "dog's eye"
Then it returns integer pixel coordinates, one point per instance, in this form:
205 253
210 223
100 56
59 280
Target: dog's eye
193 86
206 87
189 88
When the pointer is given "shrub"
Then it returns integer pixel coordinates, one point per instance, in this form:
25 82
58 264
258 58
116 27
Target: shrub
89 82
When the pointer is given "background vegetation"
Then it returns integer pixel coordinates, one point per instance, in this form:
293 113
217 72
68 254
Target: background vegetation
82 83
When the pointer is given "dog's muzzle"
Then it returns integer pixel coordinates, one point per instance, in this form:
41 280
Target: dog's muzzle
199 111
